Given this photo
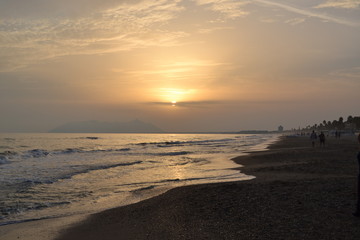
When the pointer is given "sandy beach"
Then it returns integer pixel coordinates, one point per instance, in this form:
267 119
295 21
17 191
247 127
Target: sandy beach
299 192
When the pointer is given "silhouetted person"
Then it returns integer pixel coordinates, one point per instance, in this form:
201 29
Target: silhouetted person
313 138
322 139
357 213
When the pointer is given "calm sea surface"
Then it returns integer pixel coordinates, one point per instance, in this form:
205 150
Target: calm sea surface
54 175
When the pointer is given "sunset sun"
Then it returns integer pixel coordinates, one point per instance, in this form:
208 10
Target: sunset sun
174 95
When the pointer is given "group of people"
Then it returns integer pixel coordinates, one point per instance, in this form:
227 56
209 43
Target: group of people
321 136
314 136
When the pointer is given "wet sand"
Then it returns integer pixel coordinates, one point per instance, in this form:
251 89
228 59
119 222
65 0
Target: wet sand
299 192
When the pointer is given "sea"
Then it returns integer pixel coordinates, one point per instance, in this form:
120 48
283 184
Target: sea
48 175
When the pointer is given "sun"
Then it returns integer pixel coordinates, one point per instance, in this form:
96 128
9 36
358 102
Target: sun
174 95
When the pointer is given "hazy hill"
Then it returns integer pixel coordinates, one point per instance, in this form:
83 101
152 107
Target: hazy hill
135 126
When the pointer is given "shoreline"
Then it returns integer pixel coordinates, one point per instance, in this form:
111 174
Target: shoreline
299 193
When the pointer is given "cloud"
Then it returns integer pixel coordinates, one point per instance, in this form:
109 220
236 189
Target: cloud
124 27
268 20
348 4
309 13
352 74
213 29
295 21
182 71
190 104
34 9
230 9
220 103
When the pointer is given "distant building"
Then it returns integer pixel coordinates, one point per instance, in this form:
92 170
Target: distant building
280 128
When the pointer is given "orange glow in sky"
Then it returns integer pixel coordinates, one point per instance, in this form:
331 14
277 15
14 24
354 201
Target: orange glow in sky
219 65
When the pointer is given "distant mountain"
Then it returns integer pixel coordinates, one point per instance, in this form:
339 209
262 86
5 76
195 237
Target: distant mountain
135 126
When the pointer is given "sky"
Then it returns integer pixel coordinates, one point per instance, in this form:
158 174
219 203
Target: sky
183 65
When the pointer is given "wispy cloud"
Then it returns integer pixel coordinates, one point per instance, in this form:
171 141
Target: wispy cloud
214 29
295 21
124 27
352 73
220 103
309 13
268 20
349 4
230 9
190 104
182 72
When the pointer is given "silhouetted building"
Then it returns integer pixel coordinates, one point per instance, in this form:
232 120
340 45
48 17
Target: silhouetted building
280 128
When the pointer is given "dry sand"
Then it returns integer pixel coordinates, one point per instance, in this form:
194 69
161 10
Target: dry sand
299 192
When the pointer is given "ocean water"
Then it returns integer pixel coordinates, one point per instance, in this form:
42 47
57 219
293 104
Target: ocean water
55 175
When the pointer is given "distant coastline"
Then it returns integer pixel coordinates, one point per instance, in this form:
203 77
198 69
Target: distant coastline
134 126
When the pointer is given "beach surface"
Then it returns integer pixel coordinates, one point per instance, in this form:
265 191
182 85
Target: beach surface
299 192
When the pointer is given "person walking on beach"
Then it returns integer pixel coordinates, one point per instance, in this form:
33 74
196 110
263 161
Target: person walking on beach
313 138
357 213
322 139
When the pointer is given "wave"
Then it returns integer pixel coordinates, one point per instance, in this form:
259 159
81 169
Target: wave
18 209
79 171
92 138
180 143
143 189
5 156
171 153
69 151
170 180
24 188
9 139
7 153
152 185
89 137
186 161
3 160
5 147
114 165
123 149
38 153
79 150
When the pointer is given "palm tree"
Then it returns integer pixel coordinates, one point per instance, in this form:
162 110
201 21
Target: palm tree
325 124
341 123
